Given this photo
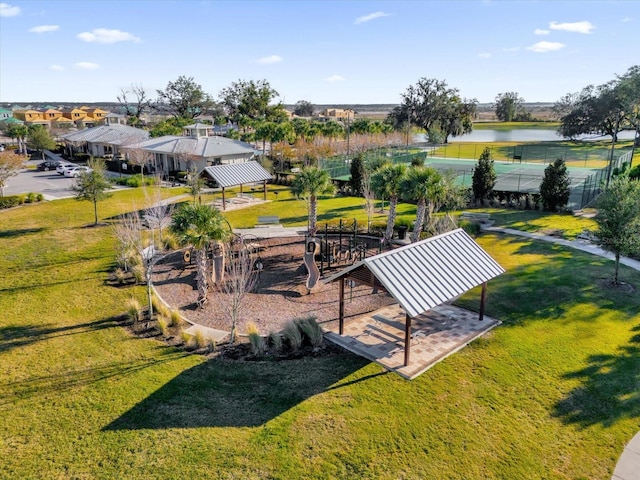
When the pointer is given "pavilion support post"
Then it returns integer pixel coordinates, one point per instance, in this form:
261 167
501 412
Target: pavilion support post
224 202
483 297
264 190
407 339
341 308
240 188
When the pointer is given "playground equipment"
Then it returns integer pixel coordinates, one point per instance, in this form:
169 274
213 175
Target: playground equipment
311 248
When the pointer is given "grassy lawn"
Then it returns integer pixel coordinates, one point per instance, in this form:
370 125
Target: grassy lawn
552 393
515 125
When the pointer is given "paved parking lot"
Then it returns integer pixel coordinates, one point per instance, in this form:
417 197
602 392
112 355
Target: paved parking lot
50 184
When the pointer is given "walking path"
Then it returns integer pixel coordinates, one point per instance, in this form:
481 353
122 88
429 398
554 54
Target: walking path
628 467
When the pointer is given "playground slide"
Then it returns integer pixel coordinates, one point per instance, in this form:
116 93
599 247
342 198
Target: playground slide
310 263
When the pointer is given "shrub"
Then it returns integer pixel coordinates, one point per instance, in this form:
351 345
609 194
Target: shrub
200 339
138 273
163 325
133 309
257 342
120 275
472 228
39 197
312 331
175 318
275 339
187 340
30 198
292 334
169 241
10 201
159 307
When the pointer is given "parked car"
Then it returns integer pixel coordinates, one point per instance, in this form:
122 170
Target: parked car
64 166
48 165
75 171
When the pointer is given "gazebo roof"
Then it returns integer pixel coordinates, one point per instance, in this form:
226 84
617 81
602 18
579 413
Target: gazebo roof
238 173
425 274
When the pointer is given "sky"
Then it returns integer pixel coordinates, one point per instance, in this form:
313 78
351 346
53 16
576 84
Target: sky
324 52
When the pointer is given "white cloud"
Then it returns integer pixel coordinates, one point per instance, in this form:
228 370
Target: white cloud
44 28
542 47
106 36
576 27
334 79
56 68
371 16
540 31
86 66
511 49
484 55
270 59
7 10
627 19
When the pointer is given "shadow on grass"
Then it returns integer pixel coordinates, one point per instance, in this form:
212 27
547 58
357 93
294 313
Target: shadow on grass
19 336
221 393
59 382
19 232
609 391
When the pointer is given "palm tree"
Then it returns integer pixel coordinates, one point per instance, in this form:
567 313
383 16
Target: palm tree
198 226
310 183
386 182
422 185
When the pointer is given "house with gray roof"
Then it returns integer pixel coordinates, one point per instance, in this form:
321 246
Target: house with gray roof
197 147
105 140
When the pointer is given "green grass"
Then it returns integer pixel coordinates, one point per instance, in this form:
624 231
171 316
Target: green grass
552 393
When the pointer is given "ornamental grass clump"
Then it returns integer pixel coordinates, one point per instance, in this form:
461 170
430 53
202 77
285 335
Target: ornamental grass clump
159 307
275 339
257 342
292 334
175 319
133 309
200 340
163 325
311 329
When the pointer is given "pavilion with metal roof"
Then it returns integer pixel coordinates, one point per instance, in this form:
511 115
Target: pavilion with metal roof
423 275
238 174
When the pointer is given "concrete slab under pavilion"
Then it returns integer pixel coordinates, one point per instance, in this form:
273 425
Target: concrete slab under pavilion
435 334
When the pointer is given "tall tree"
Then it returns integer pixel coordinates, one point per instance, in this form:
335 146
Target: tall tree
484 176
198 226
555 187
430 103
303 108
424 186
357 170
39 139
250 99
135 102
10 165
169 126
93 186
507 106
310 183
618 218
19 132
604 109
387 183
185 98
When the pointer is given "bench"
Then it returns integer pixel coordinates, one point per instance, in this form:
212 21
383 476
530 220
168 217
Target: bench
269 220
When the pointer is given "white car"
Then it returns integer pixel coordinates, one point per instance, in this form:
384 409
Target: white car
65 166
75 171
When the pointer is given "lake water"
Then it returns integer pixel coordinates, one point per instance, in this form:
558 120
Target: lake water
523 135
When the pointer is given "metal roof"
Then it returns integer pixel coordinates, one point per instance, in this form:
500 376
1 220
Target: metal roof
207 147
110 134
429 273
238 173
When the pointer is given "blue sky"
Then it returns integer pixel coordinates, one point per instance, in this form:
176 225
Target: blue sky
326 52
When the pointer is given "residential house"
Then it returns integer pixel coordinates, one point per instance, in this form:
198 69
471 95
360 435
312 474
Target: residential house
115 119
337 114
94 116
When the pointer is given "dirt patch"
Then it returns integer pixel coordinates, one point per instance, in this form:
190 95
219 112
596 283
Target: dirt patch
609 284
279 296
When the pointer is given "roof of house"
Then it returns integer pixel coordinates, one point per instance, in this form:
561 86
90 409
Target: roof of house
206 147
112 134
426 274
238 173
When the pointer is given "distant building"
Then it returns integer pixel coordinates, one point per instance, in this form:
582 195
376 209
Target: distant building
338 114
